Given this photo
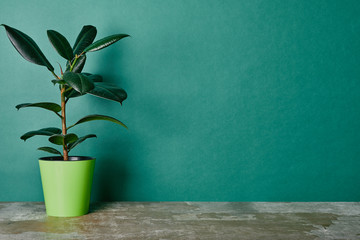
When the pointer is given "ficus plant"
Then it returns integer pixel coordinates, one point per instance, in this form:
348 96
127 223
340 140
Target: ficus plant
72 83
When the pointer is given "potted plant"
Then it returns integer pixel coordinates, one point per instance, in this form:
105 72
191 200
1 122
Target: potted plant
67 180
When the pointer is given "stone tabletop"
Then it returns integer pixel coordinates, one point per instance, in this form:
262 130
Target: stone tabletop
185 220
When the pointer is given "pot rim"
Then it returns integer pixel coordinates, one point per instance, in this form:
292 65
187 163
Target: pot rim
61 159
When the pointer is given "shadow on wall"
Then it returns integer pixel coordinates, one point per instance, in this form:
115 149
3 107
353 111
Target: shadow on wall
112 66
157 117
111 172
111 169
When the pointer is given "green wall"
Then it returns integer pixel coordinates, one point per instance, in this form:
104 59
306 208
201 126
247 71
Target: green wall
228 100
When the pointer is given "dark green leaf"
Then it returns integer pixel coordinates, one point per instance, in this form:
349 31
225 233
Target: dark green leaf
109 92
55 81
50 150
72 94
97 117
104 42
79 65
94 77
80 140
81 83
84 39
44 131
70 138
60 44
57 139
27 48
46 105
60 139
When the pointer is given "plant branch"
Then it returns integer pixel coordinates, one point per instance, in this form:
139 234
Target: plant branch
58 115
63 122
70 88
81 54
55 75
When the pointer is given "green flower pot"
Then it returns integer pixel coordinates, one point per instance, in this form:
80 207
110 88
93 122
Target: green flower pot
67 185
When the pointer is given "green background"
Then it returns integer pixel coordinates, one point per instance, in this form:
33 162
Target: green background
228 100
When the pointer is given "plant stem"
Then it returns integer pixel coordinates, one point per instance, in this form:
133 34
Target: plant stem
63 121
55 75
73 64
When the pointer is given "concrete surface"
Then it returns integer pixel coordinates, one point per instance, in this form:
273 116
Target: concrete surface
185 220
